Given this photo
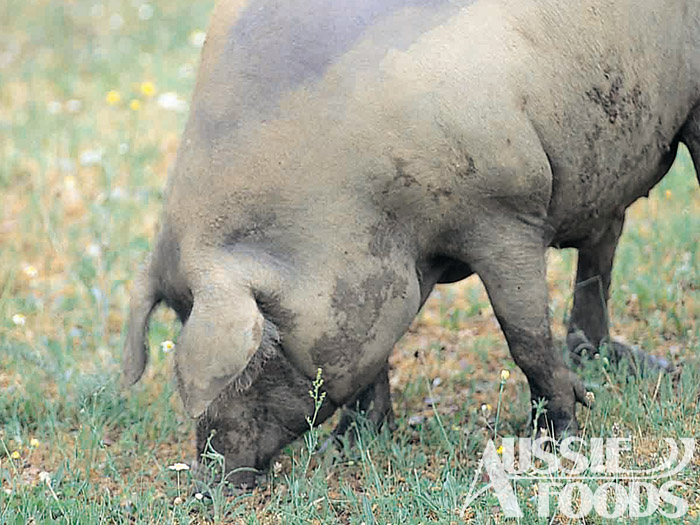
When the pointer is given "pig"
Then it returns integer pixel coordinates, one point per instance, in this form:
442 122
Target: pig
343 157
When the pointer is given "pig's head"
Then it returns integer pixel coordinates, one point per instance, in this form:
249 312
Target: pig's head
259 319
262 411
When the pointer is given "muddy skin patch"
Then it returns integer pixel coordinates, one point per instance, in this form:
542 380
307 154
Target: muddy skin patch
388 236
467 168
355 308
402 177
627 113
625 106
257 227
463 164
438 193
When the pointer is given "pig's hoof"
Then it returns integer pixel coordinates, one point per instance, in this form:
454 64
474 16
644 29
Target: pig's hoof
558 419
639 363
556 425
580 348
348 425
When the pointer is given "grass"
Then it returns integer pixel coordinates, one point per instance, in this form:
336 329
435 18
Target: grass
81 175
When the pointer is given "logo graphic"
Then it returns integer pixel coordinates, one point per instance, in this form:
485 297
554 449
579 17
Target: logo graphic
576 477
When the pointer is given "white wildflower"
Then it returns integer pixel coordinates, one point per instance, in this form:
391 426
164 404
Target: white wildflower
93 250
66 165
171 101
54 107
116 21
197 38
145 12
90 157
118 194
74 105
590 397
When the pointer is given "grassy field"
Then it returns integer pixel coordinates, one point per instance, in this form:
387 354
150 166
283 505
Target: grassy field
93 97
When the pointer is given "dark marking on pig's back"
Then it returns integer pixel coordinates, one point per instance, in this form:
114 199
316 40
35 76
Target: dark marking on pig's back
276 46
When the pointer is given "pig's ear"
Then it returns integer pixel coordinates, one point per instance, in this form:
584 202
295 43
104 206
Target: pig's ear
222 334
143 301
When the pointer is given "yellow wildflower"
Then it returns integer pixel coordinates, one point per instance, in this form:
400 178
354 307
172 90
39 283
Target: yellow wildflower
113 97
499 450
34 443
148 89
505 374
15 454
30 271
135 105
668 194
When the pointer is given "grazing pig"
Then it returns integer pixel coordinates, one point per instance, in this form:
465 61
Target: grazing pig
342 157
